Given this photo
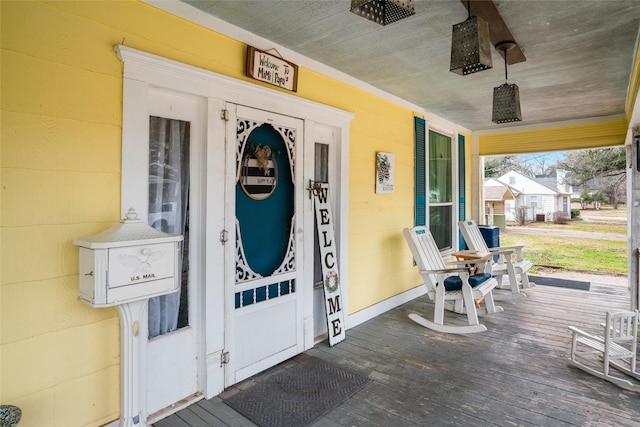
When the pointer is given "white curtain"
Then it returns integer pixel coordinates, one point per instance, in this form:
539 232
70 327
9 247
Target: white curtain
440 189
168 204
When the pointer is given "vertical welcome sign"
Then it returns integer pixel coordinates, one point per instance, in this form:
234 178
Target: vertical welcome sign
330 275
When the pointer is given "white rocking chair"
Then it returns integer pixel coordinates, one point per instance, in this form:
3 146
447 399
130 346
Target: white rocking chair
505 265
450 287
620 343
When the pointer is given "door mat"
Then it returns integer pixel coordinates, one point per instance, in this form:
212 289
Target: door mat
560 283
297 396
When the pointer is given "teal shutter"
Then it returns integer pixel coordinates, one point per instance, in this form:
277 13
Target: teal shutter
421 173
461 187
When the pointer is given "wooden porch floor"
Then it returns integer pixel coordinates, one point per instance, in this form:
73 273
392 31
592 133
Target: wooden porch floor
513 374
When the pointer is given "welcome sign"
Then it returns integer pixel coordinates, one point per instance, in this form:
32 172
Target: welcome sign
271 69
330 275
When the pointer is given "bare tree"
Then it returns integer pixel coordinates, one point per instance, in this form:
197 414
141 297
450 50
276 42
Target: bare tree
496 166
605 168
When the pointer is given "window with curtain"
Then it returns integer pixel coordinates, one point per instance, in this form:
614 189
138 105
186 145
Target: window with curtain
440 188
320 174
168 212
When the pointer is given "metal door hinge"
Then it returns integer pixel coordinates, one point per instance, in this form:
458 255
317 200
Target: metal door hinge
224 115
224 236
224 358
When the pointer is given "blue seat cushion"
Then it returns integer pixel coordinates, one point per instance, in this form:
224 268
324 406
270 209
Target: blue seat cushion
454 283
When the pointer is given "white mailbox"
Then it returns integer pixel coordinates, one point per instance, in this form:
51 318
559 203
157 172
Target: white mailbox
128 262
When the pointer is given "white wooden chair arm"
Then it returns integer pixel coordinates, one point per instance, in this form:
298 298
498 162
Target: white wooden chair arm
501 251
513 247
467 262
516 248
505 254
582 333
445 270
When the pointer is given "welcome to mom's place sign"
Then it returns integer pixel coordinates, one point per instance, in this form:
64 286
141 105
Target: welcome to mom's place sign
271 69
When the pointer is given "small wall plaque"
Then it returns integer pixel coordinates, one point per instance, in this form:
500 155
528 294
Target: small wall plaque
385 169
271 69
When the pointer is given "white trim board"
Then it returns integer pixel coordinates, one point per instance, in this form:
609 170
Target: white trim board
163 72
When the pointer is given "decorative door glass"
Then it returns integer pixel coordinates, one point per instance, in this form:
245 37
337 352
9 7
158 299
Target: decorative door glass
169 212
265 219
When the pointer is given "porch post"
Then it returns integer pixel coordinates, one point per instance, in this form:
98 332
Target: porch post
477 181
633 217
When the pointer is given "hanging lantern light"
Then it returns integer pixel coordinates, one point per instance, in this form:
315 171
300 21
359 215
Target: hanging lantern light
383 12
470 46
506 97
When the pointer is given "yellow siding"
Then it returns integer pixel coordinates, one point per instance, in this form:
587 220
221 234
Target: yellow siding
60 175
592 135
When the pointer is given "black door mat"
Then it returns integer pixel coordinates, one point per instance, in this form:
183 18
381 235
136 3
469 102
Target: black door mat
560 283
297 396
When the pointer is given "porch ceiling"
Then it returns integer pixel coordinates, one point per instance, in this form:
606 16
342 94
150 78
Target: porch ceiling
579 53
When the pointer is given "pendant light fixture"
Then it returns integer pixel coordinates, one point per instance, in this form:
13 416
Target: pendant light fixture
470 46
506 97
383 12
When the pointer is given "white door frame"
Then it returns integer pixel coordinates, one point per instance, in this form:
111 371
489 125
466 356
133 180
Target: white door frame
315 322
143 70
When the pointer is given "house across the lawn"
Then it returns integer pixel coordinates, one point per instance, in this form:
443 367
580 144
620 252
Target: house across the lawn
496 194
525 199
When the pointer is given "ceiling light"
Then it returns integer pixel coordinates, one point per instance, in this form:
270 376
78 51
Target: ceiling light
383 11
506 97
470 46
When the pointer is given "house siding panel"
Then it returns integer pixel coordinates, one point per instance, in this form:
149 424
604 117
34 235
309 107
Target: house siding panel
592 135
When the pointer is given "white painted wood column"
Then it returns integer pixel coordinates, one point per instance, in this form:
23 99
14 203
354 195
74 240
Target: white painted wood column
632 143
133 334
633 217
477 181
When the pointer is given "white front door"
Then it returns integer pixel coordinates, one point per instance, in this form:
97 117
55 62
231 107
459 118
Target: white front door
175 189
264 255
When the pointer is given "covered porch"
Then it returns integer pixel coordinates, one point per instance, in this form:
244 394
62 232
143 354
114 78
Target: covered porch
516 373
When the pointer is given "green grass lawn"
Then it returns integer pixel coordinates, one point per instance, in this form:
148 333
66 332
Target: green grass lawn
579 225
591 255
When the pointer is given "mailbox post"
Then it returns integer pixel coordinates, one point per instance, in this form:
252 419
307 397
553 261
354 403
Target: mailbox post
124 266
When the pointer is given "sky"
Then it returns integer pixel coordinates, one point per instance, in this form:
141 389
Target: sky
549 157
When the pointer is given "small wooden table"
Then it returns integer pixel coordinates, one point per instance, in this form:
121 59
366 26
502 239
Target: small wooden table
473 269
469 254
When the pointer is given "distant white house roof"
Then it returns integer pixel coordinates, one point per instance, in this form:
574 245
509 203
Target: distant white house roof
522 184
525 184
495 182
498 193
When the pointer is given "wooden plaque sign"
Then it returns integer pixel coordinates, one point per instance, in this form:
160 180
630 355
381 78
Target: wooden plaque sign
271 69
